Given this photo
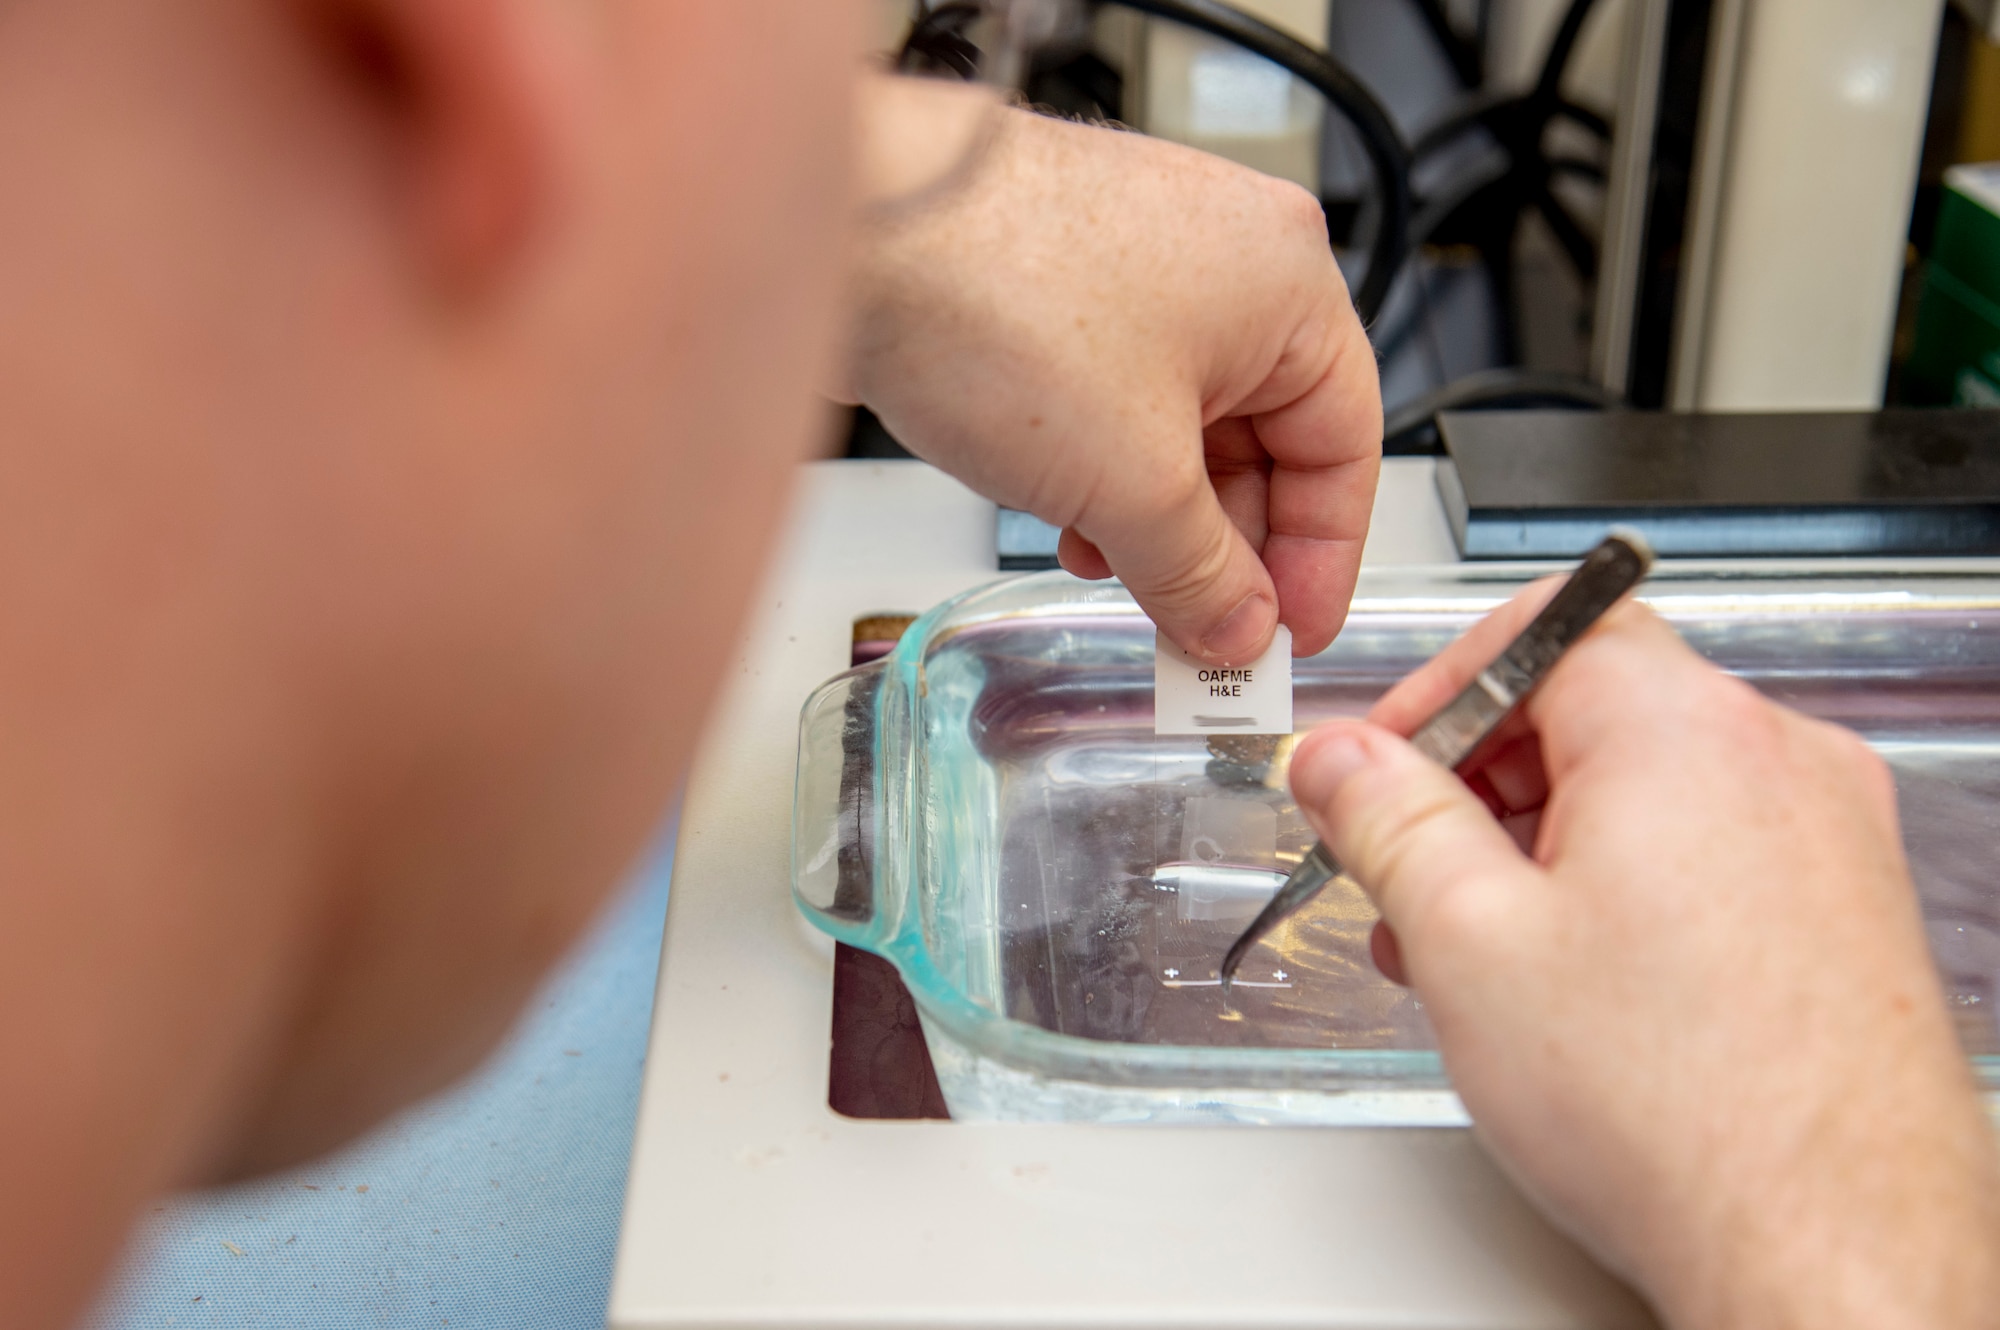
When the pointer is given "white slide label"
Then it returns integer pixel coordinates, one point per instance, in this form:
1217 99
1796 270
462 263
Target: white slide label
1190 697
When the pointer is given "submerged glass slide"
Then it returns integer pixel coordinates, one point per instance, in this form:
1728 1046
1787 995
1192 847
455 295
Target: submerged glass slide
989 809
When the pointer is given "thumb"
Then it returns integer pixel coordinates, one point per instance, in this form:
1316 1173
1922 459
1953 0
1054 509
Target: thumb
1188 566
1406 829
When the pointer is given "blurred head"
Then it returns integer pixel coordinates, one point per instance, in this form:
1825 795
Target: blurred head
395 396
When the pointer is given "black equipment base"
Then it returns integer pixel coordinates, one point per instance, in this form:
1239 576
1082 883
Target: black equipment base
1550 484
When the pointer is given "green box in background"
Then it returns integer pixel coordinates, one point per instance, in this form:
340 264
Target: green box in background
1955 360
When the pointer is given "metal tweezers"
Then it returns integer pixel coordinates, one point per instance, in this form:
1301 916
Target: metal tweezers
1455 736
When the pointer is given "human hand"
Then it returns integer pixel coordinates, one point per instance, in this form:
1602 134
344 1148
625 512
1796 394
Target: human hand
1144 345
1696 1019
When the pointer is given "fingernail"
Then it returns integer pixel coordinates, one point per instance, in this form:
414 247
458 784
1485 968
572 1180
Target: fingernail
1241 636
1321 767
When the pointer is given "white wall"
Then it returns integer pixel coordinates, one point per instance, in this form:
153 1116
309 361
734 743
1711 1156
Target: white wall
1791 299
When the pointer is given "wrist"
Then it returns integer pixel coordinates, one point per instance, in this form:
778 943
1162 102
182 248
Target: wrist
1874 1229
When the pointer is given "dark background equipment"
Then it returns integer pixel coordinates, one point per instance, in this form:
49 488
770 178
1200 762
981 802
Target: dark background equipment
1481 212
1548 485
1531 249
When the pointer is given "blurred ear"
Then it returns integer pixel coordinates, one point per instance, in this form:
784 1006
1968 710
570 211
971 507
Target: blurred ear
463 98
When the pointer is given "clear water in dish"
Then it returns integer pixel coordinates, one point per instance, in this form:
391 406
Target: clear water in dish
1123 864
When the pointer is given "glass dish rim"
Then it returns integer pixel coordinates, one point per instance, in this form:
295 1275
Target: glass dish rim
897 936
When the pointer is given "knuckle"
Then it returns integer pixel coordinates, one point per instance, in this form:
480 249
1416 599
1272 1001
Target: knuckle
1739 712
1384 845
1190 569
1189 577
1630 616
1065 494
1459 918
1852 751
1296 206
1180 478
1850 754
1628 645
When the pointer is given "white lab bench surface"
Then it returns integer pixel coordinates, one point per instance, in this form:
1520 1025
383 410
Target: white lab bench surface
751 1203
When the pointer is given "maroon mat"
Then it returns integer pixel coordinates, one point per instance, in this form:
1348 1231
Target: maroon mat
877 1064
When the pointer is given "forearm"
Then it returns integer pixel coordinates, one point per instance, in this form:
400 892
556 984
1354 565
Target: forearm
1145 345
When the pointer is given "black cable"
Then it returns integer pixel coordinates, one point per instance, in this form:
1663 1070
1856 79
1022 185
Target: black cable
1411 431
1379 136
1488 110
1468 60
937 42
1578 168
1438 209
1548 88
1487 211
1468 115
1584 118
1548 96
1569 233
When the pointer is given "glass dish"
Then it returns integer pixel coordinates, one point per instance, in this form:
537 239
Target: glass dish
989 809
